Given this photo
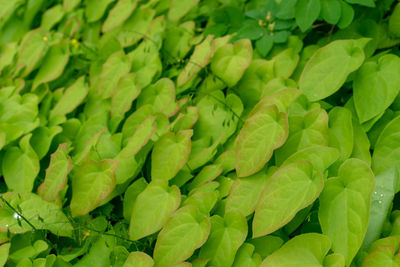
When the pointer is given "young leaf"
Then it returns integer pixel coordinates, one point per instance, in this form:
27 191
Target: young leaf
264 131
345 206
331 11
245 257
95 9
227 235
185 231
40 213
152 208
231 60
118 14
376 86
170 154
328 68
91 183
20 166
382 256
138 259
289 190
302 250
178 8
56 174
245 192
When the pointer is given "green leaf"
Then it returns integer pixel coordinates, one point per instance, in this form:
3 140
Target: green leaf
231 60
42 138
347 16
306 12
385 189
118 14
131 193
264 45
71 98
198 60
31 50
302 250
368 3
69 5
20 166
56 174
207 174
116 66
95 9
289 190
53 64
185 231
331 11
161 95
382 256
321 157
178 9
4 249
170 154
91 183
245 192
328 68
394 22
40 213
334 260
264 131
152 208
387 150
138 259
304 131
245 257
99 255
376 86
52 16
227 235
345 206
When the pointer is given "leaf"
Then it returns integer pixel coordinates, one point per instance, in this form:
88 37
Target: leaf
41 215
185 231
4 249
95 9
198 60
231 60
170 153
56 174
69 5
52 16
264 45
304 131
71 98
328 68
386 152
347 16
345 206
381 201
245 192
161 96
334 260
264 131
227 235
306 12
207 174
245 257
118 14
20 166
376 86
98 255
130 195
289 190
138 259
302 250
331 11
321 157
116 66
31 50
178 9
382 256
152 208
53 64
368 3
91 183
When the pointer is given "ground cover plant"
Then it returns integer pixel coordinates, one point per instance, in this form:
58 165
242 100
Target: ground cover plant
199 133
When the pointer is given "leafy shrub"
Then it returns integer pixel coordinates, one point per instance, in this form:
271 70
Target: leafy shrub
199 133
